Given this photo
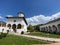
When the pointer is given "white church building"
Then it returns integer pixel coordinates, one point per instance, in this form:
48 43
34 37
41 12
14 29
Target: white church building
17 24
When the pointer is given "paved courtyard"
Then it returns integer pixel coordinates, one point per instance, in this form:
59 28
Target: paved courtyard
57 40
43 38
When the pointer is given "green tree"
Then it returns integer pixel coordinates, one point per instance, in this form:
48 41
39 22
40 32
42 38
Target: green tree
36 27
30 28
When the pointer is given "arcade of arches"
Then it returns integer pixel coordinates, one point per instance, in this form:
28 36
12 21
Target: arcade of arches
2 24
14 26
51 29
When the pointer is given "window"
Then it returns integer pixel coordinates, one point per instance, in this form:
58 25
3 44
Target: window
9 25
14 20
19 26
14 27
3 25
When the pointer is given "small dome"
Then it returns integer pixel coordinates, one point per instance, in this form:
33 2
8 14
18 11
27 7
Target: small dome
20 14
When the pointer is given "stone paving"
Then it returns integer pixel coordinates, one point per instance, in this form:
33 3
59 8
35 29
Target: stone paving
42 38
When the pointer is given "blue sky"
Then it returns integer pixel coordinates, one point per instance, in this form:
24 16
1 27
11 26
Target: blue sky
31 8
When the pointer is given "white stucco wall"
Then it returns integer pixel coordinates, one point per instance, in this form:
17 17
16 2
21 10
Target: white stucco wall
18 21
5 29
51 24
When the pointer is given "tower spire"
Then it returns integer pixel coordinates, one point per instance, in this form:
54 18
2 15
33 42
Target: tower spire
20 14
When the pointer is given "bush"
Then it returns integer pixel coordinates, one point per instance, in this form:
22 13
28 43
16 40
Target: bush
30 30
7 31
0 36
3 34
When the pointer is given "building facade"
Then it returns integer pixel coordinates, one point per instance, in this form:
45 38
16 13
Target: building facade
51 27
2 26
17 24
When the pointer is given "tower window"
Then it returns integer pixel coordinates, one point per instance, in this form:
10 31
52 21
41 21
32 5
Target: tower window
14 20
19 26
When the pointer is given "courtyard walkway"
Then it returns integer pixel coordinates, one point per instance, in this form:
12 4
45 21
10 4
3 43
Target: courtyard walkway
57 40
43 38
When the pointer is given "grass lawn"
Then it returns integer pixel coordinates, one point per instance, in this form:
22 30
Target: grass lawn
43 34
17 40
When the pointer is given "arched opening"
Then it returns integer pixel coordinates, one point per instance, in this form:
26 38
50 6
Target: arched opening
42 29
3 25
14 27
54 29
46 29
9 25
50 30
58 28
19 26
22 32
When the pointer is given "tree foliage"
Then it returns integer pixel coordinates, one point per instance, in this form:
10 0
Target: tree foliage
34 28
30 28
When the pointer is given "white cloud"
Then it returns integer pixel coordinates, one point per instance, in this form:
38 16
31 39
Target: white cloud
9 16
1 17
40 19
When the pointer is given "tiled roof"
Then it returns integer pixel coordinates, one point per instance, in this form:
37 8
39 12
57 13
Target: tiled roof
53 21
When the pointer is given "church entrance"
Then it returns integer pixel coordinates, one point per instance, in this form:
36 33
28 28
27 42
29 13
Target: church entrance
14 27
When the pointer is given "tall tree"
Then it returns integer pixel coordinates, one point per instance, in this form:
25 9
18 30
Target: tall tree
30 28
